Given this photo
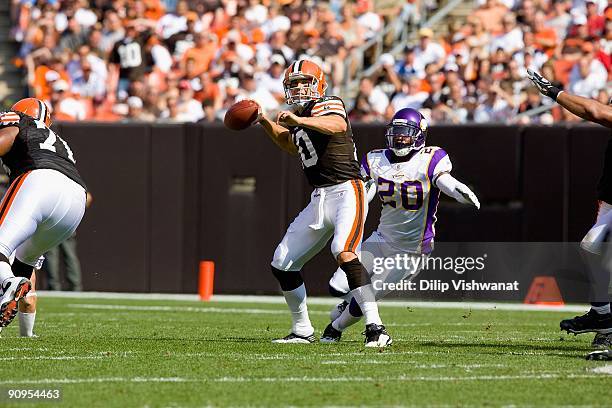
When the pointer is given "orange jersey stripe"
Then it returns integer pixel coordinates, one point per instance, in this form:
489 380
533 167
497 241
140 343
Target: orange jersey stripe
329 105
7 207
357 230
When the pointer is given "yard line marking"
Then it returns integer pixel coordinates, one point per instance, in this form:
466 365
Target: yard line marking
313 301
98 380
62 358
182 309
607 369
403 378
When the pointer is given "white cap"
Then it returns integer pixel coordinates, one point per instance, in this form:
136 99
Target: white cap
134 102
278 59
387 59
60 85
51 76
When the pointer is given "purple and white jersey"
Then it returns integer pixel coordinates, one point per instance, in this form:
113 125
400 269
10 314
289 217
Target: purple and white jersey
409 196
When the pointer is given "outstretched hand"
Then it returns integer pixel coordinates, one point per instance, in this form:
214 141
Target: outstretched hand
545 87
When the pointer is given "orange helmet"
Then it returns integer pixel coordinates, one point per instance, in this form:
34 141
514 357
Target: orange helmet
34 108
304 81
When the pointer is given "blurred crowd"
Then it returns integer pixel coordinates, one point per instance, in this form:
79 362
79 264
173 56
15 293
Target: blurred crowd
189 60
478 72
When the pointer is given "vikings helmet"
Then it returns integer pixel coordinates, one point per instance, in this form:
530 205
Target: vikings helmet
406 132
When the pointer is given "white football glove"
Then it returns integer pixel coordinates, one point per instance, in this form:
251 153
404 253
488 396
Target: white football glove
468 195
545 87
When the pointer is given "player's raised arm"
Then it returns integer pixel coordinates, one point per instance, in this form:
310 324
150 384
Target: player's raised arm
587 109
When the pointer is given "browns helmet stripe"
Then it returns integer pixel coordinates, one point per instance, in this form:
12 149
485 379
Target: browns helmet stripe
42 111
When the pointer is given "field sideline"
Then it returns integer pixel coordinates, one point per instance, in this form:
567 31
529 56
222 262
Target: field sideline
134 350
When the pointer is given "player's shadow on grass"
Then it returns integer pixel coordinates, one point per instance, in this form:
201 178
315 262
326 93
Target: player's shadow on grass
199 340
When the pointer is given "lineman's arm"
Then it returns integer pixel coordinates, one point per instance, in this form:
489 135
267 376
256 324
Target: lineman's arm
587 109
457 190
7 138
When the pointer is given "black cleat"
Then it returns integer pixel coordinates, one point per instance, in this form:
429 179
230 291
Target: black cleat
589 322
330 335
600 355
293 338
376 336
602 341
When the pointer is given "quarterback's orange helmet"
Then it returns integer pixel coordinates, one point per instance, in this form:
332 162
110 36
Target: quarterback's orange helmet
304 81
34 108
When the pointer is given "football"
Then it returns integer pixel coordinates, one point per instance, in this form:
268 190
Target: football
241 115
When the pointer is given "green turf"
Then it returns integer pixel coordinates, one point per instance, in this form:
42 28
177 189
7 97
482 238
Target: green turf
187 356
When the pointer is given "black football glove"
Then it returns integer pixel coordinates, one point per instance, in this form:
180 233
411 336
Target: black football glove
543 85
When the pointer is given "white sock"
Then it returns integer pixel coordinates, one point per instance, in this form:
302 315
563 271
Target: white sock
296 300
345 320
601 309
364 296
26 324
5 272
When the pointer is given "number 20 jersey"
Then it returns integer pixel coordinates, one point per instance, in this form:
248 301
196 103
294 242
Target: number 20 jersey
327 160
409 196
37 147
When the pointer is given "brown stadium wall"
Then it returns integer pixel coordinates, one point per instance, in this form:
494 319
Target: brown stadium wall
168 196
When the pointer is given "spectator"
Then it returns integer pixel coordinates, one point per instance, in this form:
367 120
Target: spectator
188 108
491 14
429 51
409 96
129 61
511 38
376 99
256 91
409 66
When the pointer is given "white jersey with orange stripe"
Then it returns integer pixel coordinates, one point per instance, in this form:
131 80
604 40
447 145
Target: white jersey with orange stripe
406 186
327 160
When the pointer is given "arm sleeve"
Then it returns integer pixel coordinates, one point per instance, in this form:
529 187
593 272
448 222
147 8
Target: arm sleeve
8 119
440 164
457 190
329 106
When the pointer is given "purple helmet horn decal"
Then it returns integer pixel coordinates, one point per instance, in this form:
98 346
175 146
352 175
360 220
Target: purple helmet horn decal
406 131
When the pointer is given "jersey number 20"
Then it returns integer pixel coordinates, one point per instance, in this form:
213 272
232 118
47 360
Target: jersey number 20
306 149
411 193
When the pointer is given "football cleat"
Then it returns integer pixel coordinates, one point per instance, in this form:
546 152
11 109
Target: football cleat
589 322
376 336
330 335
602 341
337 310
12 291
293 338
600 355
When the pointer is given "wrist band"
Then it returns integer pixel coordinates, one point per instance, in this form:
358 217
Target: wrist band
554 93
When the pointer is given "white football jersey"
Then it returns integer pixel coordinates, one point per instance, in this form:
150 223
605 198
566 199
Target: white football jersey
409 196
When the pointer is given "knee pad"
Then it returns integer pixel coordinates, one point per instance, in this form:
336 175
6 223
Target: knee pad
288 280
356 274
21 269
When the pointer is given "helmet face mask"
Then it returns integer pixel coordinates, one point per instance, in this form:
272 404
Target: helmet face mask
301 89
303 81
406 132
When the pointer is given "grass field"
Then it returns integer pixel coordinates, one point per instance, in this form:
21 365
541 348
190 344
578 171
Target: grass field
123 353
